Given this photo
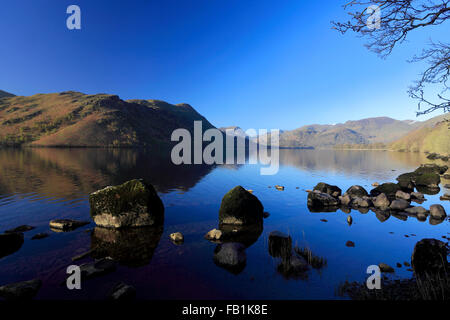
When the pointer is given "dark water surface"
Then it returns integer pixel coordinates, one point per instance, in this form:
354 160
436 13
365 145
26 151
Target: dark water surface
37 185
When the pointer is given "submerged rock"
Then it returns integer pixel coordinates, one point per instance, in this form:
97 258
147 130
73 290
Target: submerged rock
245 235
350 244
317 199
417 195
10 243
231 256
122 292
240 207
66 224
25 290
382 215
429 180
437 212
333 191
23 228
39 236
280 244
132 204
349 220
431 168
293 267
430 257
416 210
97 268
356 191
445 197
364 202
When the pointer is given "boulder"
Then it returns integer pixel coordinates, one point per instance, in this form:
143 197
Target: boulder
66 224
402 195
437 212
25 290
389 189
356 191
399 205
381 201
430 257
382 215
122 292
132 204
280 244
10 243
317 199
421 217
214 234
240 207
345 200
176 237
333 191
23 228
386 268
231 256
417 196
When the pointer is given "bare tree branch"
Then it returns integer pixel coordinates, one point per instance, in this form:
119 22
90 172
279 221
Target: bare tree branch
398 18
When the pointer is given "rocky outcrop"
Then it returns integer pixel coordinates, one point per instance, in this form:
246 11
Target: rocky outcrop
333 191
317 199
10 243
132 204
240 207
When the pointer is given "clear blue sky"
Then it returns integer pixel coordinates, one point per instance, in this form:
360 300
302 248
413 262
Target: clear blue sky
256 64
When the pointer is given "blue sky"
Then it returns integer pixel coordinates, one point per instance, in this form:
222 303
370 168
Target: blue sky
256 64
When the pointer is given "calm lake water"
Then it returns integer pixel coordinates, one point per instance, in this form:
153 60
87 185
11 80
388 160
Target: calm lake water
37 185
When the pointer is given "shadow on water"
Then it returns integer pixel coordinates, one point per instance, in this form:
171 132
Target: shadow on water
129 247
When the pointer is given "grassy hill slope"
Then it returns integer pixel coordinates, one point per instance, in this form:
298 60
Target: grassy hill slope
74 119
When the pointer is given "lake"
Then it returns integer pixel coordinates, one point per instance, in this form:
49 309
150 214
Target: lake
37 185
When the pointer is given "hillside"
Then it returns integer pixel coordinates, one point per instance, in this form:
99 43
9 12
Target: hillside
70 119
360 132
428 138
4 94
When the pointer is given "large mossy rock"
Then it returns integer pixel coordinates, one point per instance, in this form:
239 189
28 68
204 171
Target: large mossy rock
10 243
430 180
389 189
430 257
240 207
132 204
431 168
333 191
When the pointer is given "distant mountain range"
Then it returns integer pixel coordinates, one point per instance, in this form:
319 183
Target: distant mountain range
381 131
74 119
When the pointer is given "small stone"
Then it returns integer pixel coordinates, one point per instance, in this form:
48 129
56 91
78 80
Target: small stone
386 268
406 264
39 236
279 188
399 265
23 228
417 195
445 197
349 220
324 220
266 215
97 268
214 234
350 244
375 184
251 191
176 237
67 224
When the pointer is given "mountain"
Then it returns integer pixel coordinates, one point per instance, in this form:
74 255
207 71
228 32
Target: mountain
234 131
4 94
71 119
360 132
432 136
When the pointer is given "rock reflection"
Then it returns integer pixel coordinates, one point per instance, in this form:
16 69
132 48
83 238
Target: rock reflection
132 247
